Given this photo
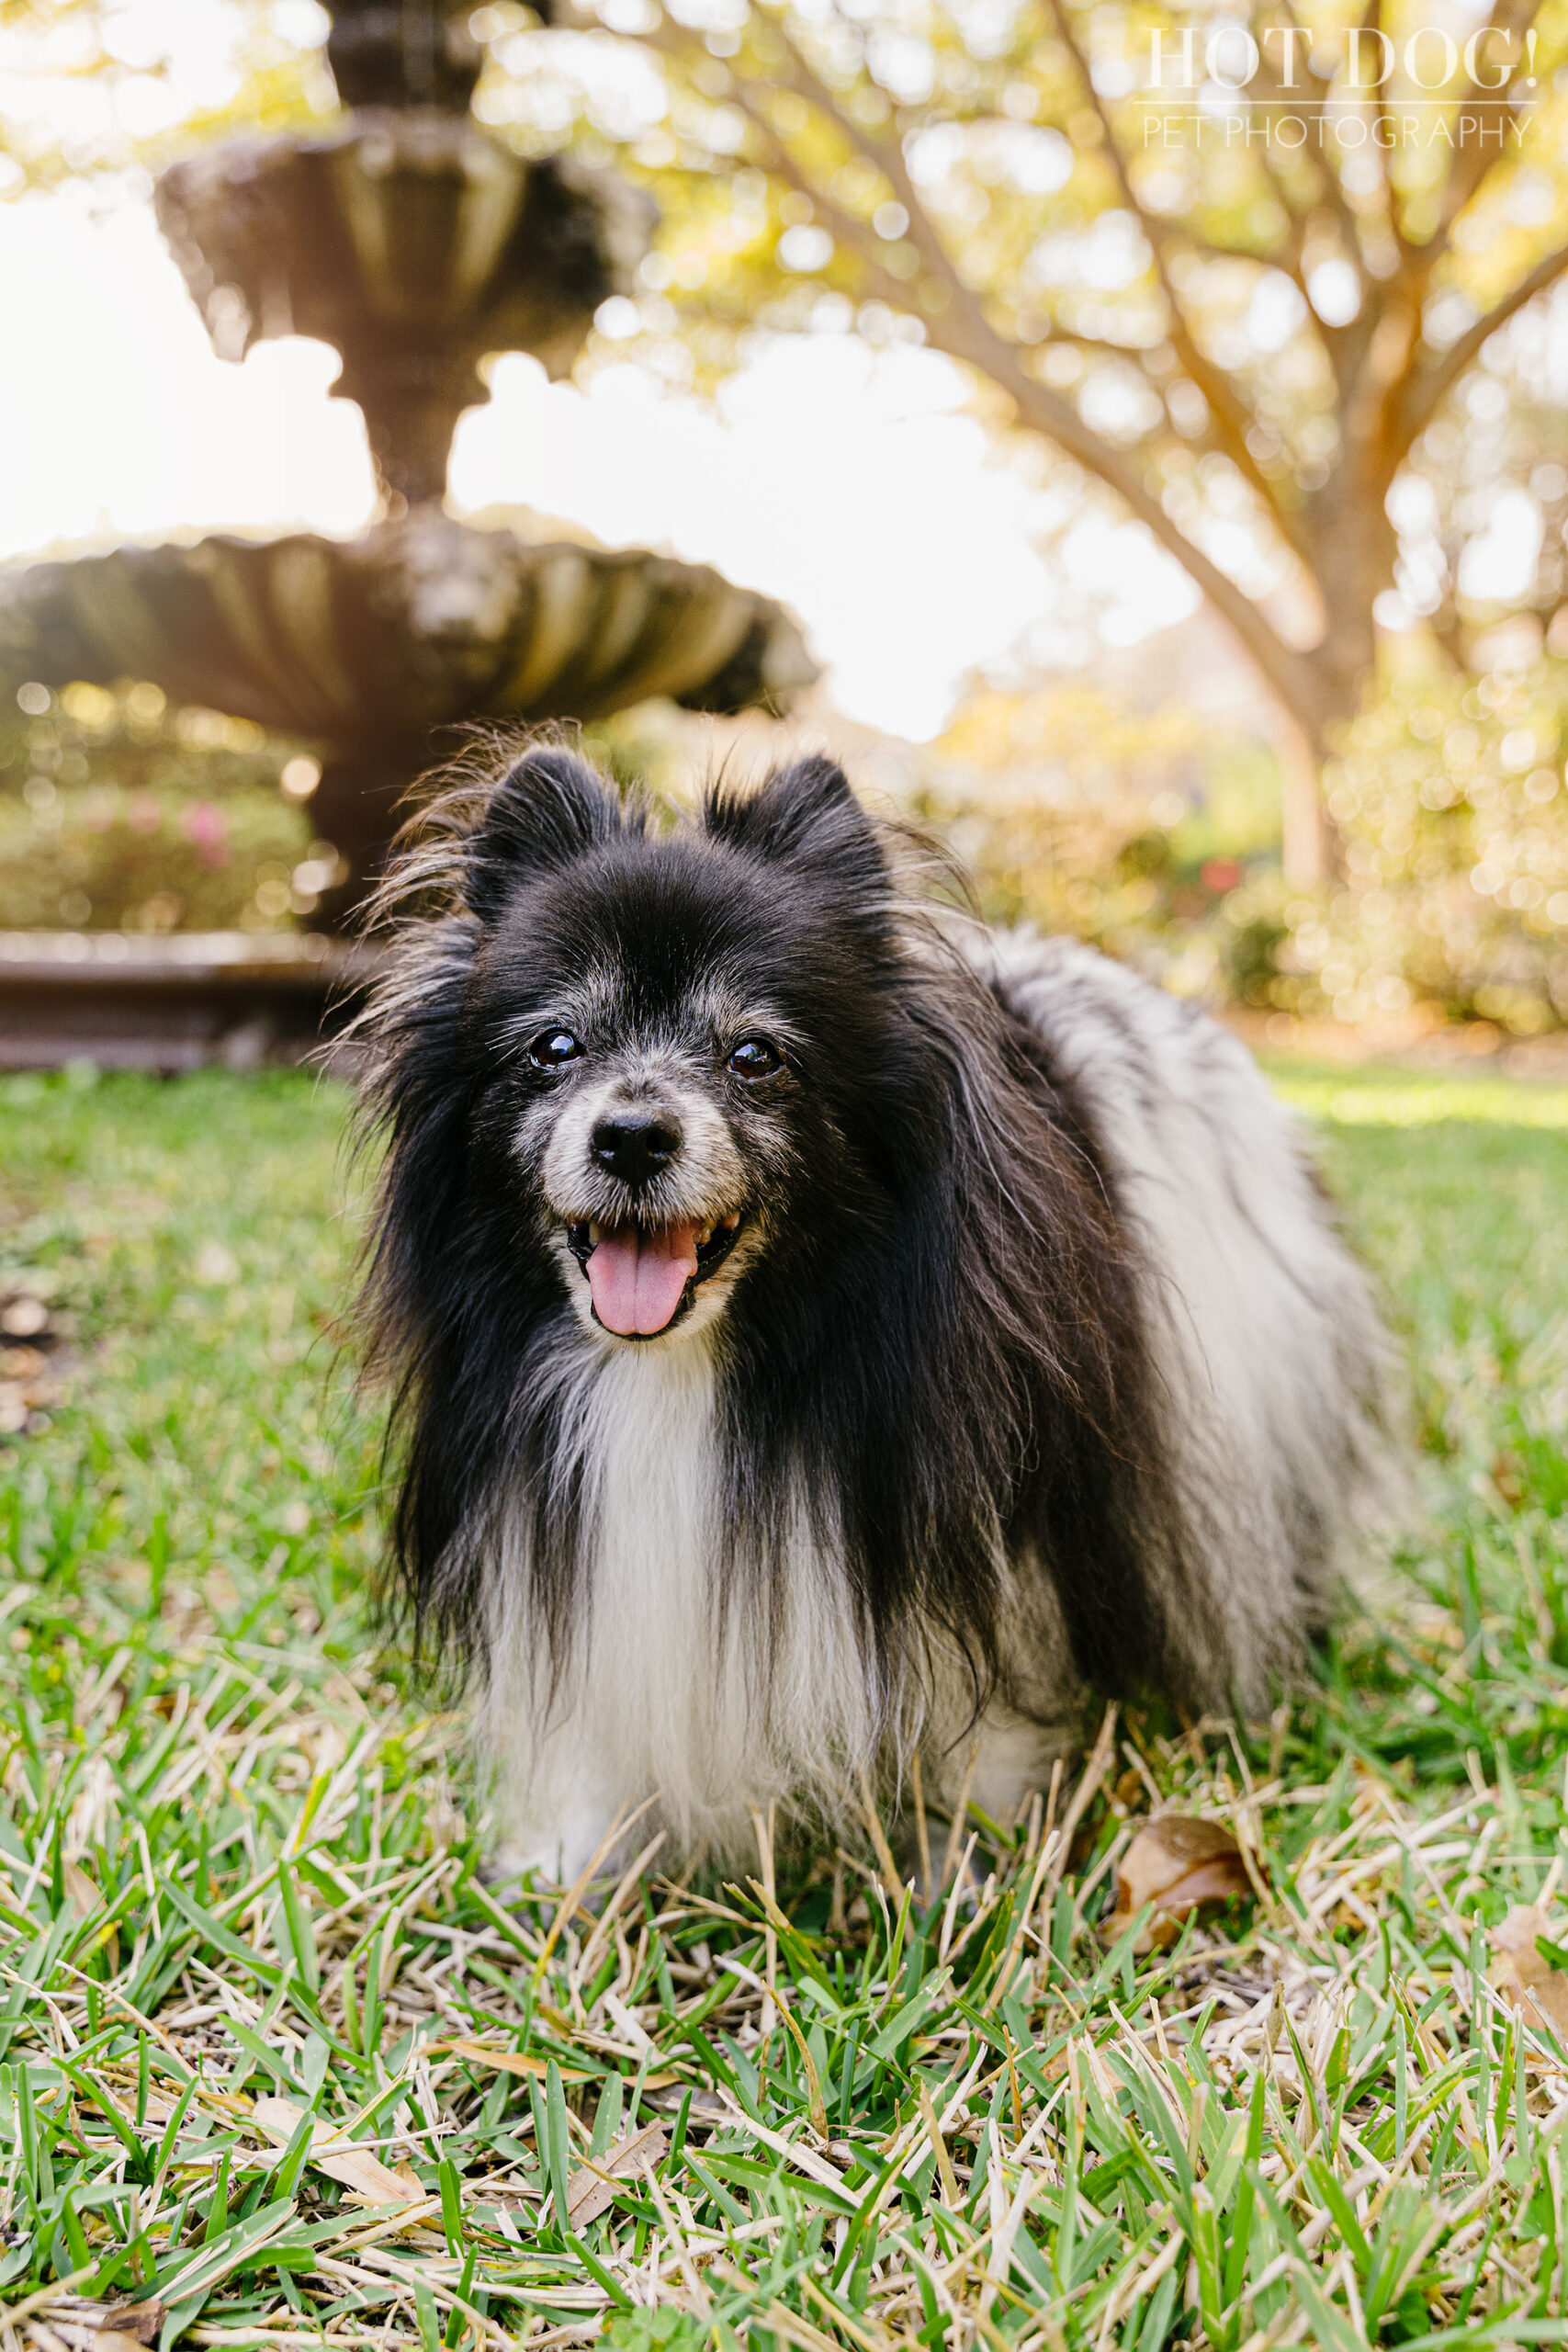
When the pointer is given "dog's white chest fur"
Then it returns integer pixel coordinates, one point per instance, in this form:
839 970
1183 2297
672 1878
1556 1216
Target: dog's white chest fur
673 1690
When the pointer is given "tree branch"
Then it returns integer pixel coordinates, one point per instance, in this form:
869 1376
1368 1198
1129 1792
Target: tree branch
966 333
1373 20
1312 109
1473 165
1233 417
1049 413
857 234
1436 380
888 155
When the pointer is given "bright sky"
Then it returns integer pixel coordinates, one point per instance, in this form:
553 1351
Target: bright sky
848 483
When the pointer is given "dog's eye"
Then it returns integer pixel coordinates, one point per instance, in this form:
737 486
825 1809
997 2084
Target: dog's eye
755 1057
552 1048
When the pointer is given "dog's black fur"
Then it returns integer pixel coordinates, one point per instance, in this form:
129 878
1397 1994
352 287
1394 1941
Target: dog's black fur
941 1342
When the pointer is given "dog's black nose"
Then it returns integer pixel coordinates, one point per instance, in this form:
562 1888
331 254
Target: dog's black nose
636 1145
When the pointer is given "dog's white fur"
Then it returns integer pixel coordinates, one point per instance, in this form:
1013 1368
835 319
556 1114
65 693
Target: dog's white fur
1260 1320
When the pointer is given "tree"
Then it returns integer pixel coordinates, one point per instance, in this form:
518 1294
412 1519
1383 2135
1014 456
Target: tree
1239 311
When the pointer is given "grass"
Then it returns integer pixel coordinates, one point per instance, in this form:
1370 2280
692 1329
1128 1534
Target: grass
241 1909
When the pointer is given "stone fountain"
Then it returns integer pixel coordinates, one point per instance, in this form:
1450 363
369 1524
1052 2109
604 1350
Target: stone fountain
416 244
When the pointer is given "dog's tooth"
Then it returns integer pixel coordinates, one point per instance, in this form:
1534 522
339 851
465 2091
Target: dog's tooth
731 1221
595 1232
706 1235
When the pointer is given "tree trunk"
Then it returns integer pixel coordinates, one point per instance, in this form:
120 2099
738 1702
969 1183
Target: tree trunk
1306 850
1353 547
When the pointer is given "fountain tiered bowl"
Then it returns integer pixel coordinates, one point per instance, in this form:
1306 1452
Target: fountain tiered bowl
416 242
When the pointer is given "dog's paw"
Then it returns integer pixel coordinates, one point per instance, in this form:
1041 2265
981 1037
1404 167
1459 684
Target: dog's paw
547 1860
512 1871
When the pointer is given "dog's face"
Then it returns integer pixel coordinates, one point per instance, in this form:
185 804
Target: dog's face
654 1119
672 1027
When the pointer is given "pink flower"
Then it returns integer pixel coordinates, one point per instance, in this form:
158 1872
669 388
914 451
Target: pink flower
209 829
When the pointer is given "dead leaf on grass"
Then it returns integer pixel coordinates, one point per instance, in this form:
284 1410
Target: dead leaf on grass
142 2322
1521 1973
591 2191
1178 1863
106 2327
505 2062
84 1896
356 2168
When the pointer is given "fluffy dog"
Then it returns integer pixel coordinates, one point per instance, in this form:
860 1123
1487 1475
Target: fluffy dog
824 1331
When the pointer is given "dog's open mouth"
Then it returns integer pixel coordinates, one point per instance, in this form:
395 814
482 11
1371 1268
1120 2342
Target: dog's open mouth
642 1276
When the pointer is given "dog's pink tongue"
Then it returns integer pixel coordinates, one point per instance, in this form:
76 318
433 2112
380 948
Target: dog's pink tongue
637 1278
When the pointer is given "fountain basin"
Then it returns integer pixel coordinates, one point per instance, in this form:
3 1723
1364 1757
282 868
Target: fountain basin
415 243
419 622
127 1000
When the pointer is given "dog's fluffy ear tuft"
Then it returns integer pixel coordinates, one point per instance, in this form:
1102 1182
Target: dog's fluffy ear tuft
805 814
547 808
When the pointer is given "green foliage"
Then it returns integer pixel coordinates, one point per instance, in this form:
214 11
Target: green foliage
1450 796
240 1861
149 861
1136 832
116 809
134 739
1149 838
666 2329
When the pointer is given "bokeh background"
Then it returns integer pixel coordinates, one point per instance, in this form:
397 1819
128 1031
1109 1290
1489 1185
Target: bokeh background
1178 521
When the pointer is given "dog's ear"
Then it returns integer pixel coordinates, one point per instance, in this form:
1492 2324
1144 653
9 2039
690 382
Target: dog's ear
803 815
546 810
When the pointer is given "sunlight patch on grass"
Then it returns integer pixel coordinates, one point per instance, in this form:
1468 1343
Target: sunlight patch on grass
1424 1102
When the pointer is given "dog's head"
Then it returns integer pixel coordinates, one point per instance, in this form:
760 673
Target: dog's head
679 1035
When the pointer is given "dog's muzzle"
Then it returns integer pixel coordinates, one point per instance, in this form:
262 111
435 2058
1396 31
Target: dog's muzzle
643 1277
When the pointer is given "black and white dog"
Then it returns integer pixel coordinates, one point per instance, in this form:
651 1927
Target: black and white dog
824 1331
